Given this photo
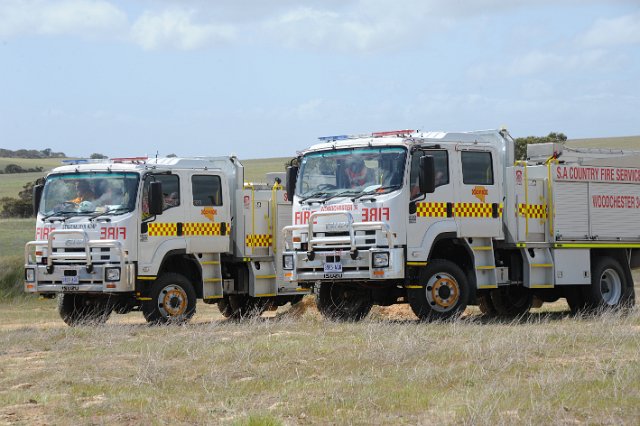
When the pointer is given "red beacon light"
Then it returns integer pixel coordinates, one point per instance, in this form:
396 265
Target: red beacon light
398 133
131 160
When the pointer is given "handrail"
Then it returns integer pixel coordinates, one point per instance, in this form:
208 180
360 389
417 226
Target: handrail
353 227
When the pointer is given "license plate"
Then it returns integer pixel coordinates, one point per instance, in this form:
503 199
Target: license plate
73 279
333 270
70 288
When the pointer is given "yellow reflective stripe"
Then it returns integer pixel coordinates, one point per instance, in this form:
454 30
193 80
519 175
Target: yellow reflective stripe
482 248
416 263
258 240
485 267
533 211
212 297
482 287
265 277
302 289
265 295
212 280
413 286
146 278
591 245
542 265
144 299
210 262
541 286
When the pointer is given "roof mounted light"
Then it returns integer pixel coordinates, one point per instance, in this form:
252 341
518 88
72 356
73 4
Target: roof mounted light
398 133
131 160
333 138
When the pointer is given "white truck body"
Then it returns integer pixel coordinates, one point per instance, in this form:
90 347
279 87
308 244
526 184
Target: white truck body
513 229
219 233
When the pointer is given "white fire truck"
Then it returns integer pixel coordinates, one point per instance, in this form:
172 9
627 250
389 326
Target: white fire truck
155 235
445 220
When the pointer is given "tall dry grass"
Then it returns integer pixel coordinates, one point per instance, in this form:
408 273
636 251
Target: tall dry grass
301 369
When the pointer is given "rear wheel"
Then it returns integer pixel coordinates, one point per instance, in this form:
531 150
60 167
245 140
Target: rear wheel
610 288
225 307
79 309
343 303
443 292
173 299
511 301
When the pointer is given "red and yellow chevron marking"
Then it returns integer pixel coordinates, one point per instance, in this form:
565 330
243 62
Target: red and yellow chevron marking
533 211
258 240
472 210
157 229
431 209
203 228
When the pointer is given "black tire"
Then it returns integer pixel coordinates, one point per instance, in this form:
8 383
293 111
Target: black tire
343 303
244 306
511 301
485 304
443 292
225 307
173 299
79 309
610 287
575 298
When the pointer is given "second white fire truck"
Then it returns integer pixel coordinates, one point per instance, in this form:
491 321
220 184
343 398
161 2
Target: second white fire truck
443 220
156 235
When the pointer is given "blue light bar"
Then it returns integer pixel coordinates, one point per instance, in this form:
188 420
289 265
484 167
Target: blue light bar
333 138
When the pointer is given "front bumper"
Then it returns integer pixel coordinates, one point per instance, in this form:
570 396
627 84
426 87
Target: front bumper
60 279
358 269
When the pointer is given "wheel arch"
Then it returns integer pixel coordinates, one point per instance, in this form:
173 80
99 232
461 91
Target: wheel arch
624 258
180 262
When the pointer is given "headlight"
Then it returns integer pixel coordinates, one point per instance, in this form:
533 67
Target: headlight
112 274
30 275
380 259
287 262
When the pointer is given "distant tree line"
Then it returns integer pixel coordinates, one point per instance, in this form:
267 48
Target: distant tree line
21 206
521 143
14 168
31 153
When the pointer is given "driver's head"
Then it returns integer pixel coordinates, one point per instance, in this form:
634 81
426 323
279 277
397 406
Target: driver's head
355 164
82 186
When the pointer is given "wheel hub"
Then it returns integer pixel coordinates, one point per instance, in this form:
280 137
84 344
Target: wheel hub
610 287
443 292
172 301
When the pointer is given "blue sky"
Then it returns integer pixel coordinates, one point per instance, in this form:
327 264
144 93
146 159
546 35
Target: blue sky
265 78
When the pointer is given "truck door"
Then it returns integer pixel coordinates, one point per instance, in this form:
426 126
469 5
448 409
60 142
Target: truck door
434 212
478 204
208 217
163 233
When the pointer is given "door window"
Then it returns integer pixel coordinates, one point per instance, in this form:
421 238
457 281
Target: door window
477 168
207 190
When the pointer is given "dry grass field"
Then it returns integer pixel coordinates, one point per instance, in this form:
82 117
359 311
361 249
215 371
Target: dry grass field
296 368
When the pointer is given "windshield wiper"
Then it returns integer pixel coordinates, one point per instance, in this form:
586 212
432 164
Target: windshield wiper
339 194
106 212
55 215
379 190
316 194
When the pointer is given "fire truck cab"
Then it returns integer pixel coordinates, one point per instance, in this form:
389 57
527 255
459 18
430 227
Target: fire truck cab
156 235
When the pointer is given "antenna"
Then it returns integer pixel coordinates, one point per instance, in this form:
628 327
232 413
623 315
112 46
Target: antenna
156 155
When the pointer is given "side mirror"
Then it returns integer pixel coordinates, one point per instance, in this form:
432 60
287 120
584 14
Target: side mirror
37 195
156 202
292 177
427 174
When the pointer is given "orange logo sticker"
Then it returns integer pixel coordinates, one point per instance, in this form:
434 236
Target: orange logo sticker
209 213
480 192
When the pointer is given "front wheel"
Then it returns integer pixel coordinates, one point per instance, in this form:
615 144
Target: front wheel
343 303
78 309
173 299
442 293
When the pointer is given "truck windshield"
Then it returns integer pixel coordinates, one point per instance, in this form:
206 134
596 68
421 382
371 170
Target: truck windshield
351 172
89 192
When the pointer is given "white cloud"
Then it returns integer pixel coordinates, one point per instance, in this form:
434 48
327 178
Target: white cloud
616 31
537 62
88 18
175 28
